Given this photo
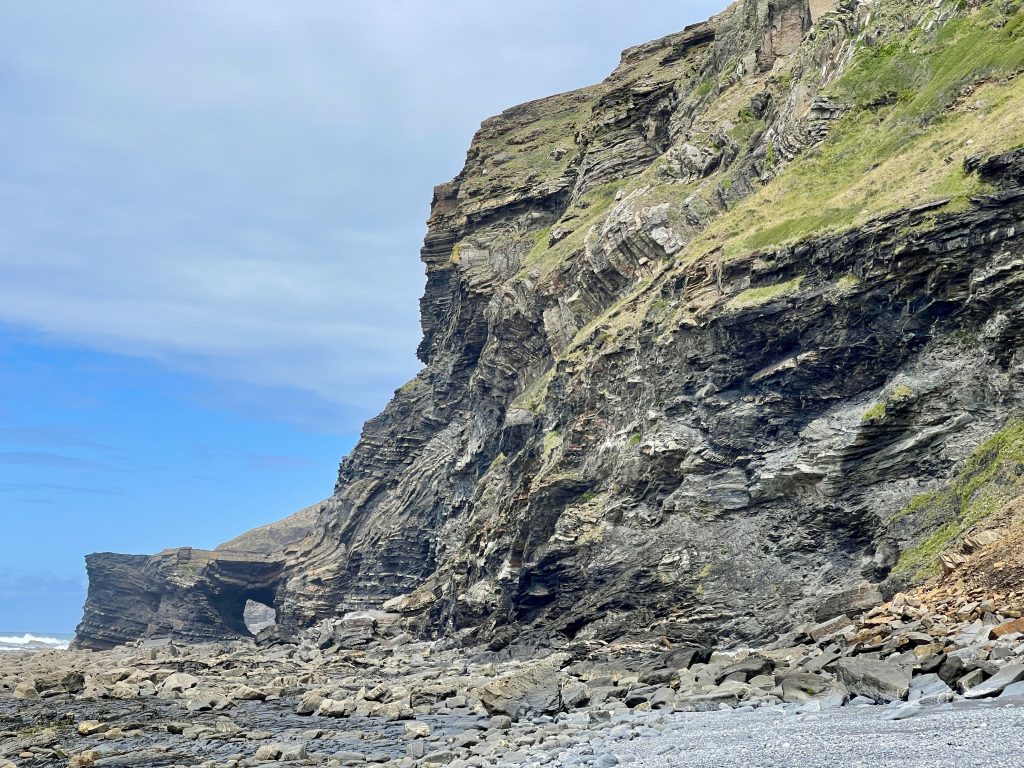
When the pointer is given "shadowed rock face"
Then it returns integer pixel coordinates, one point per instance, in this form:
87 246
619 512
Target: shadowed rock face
629 426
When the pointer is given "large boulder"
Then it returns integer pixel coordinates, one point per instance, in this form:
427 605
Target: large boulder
1008 675
533 689
878 680
684 658
743 670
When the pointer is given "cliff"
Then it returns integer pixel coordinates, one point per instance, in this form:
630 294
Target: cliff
724 343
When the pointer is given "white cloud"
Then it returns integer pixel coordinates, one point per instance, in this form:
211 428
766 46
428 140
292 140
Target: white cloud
238 189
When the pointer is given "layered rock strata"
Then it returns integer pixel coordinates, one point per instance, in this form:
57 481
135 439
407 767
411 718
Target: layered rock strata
697 341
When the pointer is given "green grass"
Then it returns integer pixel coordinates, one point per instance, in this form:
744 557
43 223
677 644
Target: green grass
756 297
581 218
552 442
848 284
534 397
991 477
875 413
747 127
878 411
890 156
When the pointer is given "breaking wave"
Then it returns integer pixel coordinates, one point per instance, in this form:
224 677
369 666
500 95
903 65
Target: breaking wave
30 642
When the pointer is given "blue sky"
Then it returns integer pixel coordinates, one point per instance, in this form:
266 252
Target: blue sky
210 217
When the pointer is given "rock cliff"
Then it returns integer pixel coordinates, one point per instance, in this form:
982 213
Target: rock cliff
725 343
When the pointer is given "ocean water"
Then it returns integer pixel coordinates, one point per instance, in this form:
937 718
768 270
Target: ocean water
33 641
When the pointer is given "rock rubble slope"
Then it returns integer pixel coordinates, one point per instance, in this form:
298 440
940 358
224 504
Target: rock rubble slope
724 344
358 690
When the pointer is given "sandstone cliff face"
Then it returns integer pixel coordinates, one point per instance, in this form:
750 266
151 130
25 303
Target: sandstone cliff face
696 340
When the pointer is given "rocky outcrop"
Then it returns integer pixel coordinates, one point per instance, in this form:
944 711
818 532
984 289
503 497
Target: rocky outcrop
696 341
189 594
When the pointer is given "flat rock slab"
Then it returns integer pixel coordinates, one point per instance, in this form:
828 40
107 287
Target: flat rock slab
1008 675
878 680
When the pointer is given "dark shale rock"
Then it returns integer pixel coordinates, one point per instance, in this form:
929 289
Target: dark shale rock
612 440
743 670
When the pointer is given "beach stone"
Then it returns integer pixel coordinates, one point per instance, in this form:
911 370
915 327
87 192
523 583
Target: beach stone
269 752
1013 690
349 758
334 708
993 686
500 722
227 726
416 749
905 711
179 682
1007 628
752 666
26 692
828 628
294 752
441 757
310 703
535 688
928 687
684 658
417 730
245 693
972 679
875 679
92 727
708 702
85 759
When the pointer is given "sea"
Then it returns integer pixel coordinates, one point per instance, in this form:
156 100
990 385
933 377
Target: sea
33 641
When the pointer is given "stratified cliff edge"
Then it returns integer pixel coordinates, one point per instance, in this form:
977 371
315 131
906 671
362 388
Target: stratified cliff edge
723 343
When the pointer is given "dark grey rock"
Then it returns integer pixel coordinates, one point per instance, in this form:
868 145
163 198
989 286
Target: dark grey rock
878 680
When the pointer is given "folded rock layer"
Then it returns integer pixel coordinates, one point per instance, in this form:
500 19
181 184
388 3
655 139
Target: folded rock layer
703 345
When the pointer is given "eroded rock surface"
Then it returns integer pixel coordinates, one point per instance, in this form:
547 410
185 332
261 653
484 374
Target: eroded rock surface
660 399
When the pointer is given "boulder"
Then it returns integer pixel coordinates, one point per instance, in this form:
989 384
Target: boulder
874 679
1007 628
535 688
993 686
179 682
25 692
752 666
929 689
684 658
336 708
416 730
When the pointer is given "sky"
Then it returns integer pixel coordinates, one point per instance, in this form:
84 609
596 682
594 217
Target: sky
210 220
